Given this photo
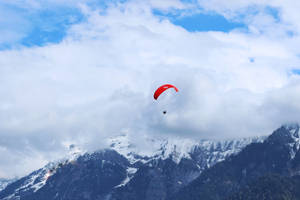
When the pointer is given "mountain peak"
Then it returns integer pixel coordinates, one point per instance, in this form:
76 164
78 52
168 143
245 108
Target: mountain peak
287 135
293 129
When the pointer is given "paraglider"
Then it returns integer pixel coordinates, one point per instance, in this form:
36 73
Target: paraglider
162 89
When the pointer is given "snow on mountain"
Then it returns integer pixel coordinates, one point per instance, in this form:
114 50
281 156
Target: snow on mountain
160 148
32 182
4 182
272 165
202 154
178 148
37 179
217 151
287 135
295 142
123 146
130 172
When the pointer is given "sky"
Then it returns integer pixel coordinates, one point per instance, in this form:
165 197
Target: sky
78 72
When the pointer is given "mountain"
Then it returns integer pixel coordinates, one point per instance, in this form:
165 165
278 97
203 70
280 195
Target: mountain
271 186
174 165
258 164
205 152
4 182
124 170
90 176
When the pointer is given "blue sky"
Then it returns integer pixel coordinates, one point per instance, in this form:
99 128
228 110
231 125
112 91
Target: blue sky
49 24
38 27
201 22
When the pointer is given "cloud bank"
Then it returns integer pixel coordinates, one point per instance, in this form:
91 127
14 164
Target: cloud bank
99 80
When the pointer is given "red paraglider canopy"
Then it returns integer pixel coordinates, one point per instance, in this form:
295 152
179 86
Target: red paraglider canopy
162 88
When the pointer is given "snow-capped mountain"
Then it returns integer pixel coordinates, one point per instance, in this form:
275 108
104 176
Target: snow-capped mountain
118 170
267 170
4 182
171 164
290 138
206 152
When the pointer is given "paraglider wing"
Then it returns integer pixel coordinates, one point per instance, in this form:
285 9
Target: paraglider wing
162 88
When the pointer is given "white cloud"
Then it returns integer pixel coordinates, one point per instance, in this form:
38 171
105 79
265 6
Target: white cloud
257 13
169 4
101 78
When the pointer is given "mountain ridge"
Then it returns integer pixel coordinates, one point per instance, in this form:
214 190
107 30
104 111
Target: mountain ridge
278 154
186 161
